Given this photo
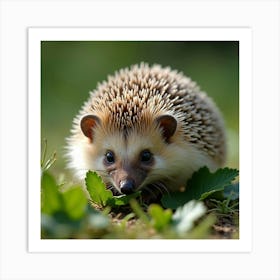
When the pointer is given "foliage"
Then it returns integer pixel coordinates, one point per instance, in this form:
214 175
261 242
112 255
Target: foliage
160 218
228 206
201 185
103 197
225 207
70 203
47 163
66 213
97 189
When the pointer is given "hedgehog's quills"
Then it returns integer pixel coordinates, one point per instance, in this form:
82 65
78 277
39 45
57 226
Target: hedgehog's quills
146 128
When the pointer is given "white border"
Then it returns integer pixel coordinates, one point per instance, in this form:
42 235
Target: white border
262 16
243 35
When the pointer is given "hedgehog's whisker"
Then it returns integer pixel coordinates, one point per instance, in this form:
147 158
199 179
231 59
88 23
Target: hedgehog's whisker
161 186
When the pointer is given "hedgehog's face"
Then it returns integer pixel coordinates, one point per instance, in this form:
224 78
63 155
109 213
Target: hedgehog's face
128 160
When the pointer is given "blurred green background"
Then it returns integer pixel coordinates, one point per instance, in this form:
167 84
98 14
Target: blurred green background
70 69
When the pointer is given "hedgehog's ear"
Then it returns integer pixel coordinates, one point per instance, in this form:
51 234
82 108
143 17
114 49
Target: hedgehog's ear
168 124
88 122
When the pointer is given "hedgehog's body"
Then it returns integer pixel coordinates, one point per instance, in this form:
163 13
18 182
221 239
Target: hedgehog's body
146 128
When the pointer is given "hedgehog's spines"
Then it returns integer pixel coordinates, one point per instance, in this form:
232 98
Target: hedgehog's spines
134 96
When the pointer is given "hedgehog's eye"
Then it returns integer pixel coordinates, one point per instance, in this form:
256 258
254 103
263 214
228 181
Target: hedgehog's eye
146 156
109 157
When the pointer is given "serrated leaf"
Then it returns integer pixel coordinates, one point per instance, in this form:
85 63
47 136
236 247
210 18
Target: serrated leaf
75 202
160 217
103 197
203 183
50 195
97 189
200 186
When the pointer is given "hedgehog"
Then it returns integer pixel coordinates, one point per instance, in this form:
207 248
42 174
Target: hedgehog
146 128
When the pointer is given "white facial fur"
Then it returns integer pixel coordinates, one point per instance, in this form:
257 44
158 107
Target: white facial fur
173 164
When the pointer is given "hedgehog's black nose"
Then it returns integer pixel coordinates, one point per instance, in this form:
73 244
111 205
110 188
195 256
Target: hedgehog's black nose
127 186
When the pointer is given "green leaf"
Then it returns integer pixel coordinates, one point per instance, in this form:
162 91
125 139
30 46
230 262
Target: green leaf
75 202
50 195
137 209
160 217
200 186
103 197
97 189
123 199
203 183
172 200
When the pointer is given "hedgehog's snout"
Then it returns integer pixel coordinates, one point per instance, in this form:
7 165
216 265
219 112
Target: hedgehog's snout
127 186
